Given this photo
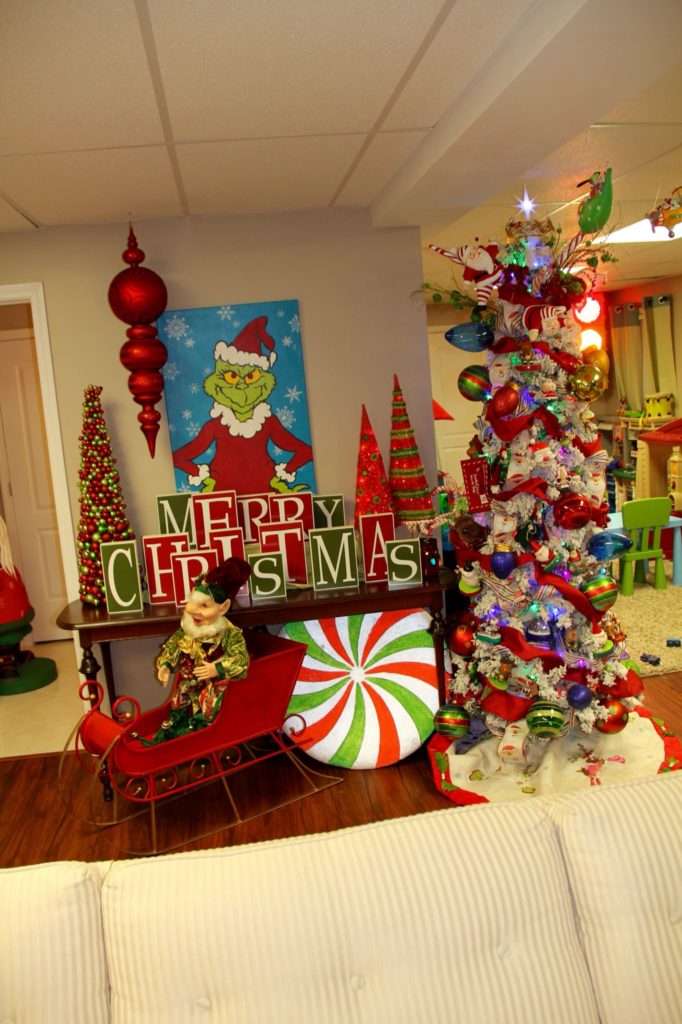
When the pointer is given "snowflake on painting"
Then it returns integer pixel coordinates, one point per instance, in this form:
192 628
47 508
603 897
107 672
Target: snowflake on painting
240 437
176 327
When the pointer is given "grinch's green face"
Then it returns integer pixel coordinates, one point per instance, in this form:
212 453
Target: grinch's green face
240 388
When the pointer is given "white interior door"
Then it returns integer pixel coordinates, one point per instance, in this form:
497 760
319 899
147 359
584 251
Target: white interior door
452 436
26 485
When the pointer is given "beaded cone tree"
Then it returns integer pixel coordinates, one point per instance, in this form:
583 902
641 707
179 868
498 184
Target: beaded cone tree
372 491
411 493
540 655
102 509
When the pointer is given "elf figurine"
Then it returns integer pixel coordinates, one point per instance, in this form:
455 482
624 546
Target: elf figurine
204 653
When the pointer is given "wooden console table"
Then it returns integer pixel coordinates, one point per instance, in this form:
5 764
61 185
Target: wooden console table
96 626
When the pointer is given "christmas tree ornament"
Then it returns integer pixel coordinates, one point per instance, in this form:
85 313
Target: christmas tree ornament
579 696
587 383
601 591
595 210
609 544
469 580
452 720
368 687
502 562
461 640
138 297
472 337
473 383
505 400
410 492
572 511
372 490
469 532
538 633
617 717
102 509
546 720
597 357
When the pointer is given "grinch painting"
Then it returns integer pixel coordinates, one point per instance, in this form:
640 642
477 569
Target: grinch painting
237 421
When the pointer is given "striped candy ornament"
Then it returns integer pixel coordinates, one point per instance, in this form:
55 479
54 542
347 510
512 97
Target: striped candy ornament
452 720
546 720
474 383
368 688
601 591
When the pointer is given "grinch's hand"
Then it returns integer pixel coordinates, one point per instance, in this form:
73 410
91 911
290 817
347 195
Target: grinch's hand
207 485
284 488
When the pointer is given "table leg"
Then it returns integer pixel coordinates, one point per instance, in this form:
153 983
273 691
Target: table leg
437 631
89 667
677 556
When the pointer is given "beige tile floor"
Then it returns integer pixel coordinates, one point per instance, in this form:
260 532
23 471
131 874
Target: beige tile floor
41 721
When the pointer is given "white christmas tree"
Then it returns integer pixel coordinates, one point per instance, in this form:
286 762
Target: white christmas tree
540 653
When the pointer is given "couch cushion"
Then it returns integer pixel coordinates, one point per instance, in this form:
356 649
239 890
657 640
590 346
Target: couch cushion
623 850
52 960
456 915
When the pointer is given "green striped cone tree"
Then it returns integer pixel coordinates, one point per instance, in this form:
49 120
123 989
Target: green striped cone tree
411 493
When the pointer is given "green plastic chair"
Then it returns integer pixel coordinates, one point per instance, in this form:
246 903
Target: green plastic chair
644 518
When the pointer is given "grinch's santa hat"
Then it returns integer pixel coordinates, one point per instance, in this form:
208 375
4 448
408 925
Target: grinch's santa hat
249 346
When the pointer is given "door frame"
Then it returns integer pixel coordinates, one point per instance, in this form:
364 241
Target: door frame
33 294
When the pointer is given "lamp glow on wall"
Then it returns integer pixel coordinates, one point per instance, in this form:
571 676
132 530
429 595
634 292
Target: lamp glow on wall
589 313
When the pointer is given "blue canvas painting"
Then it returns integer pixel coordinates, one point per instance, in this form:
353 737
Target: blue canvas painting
236 398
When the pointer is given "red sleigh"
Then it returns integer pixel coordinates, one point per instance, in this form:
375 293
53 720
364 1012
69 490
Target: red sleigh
248 730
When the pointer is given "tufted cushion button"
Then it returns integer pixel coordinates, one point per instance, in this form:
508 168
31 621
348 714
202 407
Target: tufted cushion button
676 916
357 981
503 950
202 1003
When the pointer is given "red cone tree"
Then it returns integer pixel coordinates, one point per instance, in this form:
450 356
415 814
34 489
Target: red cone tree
102 507
372 491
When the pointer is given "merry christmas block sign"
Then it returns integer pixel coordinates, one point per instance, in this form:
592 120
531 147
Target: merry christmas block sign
290 508
287 538
404 563
174 513
157 553
187 566
267 579
328 510
252 509
333 559
121 576
375 531
216 510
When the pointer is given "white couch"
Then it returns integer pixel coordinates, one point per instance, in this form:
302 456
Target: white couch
565 909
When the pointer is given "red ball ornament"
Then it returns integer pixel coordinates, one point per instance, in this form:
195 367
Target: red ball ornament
461 640
572 511
618 717
138 296
505 400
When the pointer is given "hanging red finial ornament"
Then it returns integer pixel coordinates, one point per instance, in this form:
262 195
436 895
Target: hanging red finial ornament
138 296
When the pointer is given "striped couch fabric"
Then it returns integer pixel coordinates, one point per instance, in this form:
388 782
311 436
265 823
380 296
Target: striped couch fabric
564 909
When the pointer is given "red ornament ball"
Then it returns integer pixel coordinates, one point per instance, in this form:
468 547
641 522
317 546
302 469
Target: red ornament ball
572 511
618 717
505 400
137 296
461 640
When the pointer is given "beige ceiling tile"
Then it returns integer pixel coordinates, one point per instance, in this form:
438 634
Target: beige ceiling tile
10 220
661 101
654 179
92 188
462 46
73 76
380 161
265 175
262 69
